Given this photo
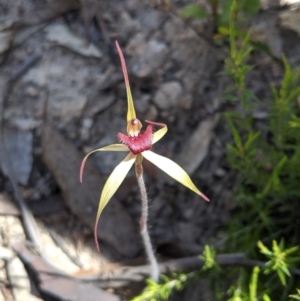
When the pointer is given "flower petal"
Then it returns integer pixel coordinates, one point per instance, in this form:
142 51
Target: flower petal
173 170
160 133
131 111
112 148
111 186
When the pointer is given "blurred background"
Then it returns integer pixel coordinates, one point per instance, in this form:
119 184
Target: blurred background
225 79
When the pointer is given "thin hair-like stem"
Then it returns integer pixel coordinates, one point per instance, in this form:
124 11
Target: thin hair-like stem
143 222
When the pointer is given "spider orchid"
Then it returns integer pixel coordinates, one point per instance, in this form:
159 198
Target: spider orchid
138 144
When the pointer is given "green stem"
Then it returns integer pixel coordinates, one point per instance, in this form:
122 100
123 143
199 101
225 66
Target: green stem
253 284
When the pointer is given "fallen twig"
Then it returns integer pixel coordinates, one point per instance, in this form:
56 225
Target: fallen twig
58 284
123 276
58 241
5 292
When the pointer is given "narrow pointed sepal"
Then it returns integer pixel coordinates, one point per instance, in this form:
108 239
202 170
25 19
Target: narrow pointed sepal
131 111
173 170
160 133
112 148
112 184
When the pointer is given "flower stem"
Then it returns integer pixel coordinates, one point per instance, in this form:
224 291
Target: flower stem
143 221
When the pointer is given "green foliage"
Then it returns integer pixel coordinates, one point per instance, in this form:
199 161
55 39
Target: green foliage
279 259
269 186
246 289
161 291
253 284
235 64
177 281
268 164
267 195
220 10
296 297
208 258
193 10
282 119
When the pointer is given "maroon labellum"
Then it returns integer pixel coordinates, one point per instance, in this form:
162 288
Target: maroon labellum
139 143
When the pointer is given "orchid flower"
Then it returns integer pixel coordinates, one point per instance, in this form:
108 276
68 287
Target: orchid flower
138 144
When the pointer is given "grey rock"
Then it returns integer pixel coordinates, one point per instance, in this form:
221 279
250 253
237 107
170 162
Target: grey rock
62 36
151 20
68 109
25 124
87 123
152 113
220 172
160 221
71 81
185 237
98 104
32 91
133 5
19 148
136 45
202 26
189 53
264 29
107 161
197 145
146 56
127 25
186 102
268 4
142 103
168 95
260 115
5 40
155 51
290 19
194 57
196 291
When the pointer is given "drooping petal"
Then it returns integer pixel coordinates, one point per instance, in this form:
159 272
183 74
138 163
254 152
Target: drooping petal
173 170
160 133
131 110
112 148
111 186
